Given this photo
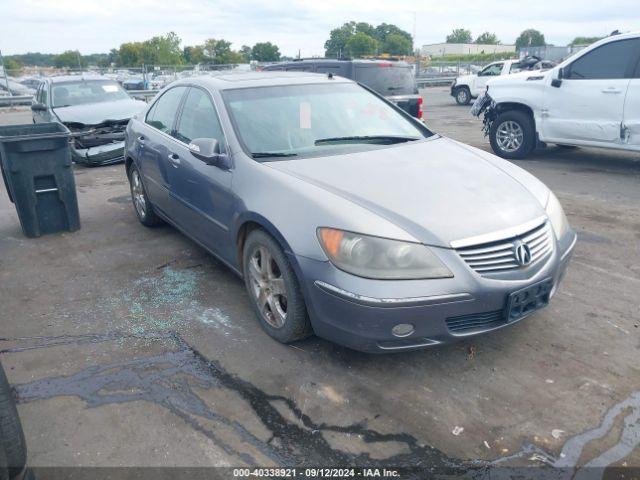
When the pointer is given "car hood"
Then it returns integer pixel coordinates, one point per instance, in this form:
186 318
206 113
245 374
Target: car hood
97 113
437 190
518 78
465 79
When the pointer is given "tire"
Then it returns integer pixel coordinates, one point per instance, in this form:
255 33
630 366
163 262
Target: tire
12 441
139 198
263 279
463 96
515 122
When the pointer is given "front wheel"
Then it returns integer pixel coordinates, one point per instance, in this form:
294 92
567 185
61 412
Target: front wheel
463 96
512 134
274 290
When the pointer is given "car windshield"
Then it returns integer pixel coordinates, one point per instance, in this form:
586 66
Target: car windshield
313 120
84 92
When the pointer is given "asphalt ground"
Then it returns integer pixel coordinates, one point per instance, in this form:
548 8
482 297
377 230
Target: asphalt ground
131 346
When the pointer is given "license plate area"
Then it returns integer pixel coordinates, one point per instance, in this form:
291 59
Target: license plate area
525 301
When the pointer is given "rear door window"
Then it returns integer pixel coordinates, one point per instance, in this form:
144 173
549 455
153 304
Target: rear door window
163 113
387 79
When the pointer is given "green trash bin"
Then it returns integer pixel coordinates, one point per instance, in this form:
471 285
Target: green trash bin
36 169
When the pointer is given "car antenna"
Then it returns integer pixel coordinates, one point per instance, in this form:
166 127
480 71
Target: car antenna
330 76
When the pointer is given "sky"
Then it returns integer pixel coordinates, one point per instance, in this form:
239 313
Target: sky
52 26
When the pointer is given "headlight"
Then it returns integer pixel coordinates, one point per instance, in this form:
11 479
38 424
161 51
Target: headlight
380 258
556 215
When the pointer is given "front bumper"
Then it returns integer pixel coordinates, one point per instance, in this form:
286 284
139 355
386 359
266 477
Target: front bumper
100 155
360 313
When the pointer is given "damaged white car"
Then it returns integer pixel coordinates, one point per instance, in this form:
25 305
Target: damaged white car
591 99
95 109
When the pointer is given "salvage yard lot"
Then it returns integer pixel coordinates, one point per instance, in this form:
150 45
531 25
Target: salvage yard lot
132 346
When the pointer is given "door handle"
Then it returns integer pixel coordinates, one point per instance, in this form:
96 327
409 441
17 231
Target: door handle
174 159
611 90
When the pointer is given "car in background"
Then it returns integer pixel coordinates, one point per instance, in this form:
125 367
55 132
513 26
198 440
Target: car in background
95 109
591 99
392 79
135 83
466 87
346 216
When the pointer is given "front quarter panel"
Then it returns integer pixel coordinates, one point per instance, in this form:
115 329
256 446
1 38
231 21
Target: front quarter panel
293 209
520 88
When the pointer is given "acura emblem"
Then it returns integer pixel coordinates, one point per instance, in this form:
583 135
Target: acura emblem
522 253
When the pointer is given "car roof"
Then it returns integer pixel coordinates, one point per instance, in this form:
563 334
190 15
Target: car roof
228 81
77 78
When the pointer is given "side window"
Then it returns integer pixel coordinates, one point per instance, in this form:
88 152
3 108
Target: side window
163 112
199 118
334 69
611 60
492 70
299 68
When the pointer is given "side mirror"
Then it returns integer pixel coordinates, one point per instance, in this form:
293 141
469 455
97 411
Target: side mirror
558 76
38 107
208 150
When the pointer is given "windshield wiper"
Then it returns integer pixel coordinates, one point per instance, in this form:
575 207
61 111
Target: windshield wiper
62 106
272 154
381 139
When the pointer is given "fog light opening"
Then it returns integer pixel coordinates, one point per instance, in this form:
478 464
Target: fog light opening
402 330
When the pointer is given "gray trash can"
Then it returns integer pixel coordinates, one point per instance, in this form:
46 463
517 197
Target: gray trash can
37 172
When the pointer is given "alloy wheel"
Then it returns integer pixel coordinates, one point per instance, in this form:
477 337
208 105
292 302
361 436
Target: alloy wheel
509 136
137 192
268 287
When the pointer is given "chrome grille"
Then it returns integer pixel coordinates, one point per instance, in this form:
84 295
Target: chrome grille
499 256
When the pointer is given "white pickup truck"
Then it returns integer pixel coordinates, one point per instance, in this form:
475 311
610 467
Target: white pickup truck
591 99
466 87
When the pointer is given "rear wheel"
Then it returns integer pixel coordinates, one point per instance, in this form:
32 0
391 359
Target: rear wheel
463 96
274 290
141 203
512 134
13 455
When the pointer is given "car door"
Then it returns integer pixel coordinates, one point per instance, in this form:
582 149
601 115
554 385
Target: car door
631 114
41 97
152 142
586 106
201 199
484 75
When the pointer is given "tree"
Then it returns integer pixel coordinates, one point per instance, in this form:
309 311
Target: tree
265 52
130 54
245 50
585 40
361 44
459 35
530 38
162 50
11 64
487 38
338 37
193 55
69 59
395 44
219 52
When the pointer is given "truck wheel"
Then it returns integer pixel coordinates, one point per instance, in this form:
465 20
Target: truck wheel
463 96
11 436
512 134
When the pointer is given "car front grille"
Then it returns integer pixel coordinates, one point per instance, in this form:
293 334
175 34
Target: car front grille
476 322
500 256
